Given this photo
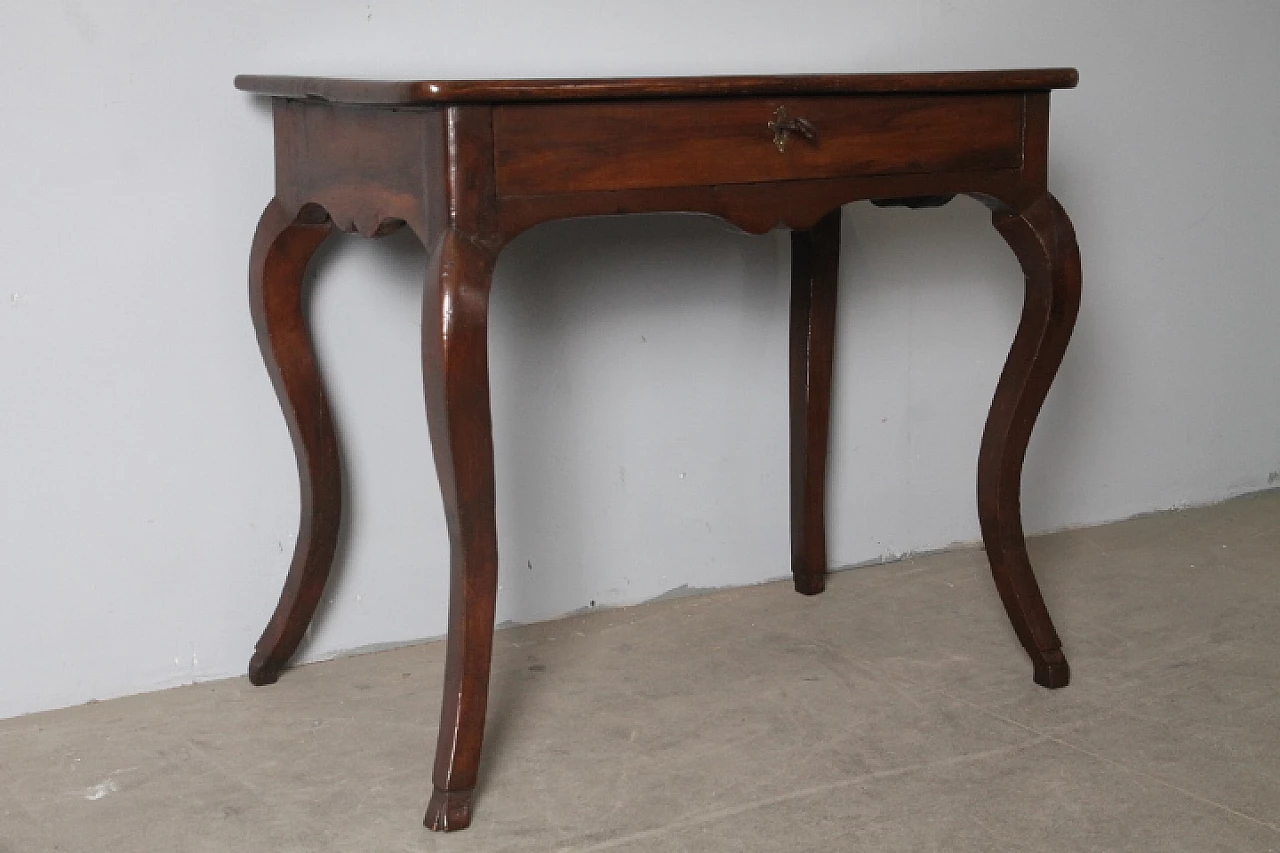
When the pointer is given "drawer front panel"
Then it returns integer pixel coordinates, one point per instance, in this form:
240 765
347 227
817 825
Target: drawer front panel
571 147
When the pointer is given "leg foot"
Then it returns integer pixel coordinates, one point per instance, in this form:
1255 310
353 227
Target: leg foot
448 811
1051 669
810 584
1042 238
815 256
282 247
262 670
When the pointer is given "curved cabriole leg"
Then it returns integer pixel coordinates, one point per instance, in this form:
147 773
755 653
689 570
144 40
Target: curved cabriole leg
456 380
815 257
1042 238
282 246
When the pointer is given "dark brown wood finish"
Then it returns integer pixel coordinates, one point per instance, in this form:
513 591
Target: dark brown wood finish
468 165
815 261
455 369
282 246
1045 243
561 148
409 92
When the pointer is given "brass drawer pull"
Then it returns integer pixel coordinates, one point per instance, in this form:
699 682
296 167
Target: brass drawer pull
783 126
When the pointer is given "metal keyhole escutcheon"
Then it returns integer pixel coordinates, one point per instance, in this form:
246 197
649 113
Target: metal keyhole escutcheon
783 125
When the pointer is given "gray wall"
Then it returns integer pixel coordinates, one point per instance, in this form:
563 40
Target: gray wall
149 500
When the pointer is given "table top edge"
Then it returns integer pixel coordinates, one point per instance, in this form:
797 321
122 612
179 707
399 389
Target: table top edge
425 92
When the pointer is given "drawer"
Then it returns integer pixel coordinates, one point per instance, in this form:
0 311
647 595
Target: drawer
581 147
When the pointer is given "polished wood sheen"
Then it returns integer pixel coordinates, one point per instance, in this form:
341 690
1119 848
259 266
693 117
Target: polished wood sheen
815 260
281 249
469 165
408 92
555 148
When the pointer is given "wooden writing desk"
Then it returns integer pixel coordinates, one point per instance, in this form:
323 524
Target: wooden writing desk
468 165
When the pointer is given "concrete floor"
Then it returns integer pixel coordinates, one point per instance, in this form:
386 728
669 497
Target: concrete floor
895 712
